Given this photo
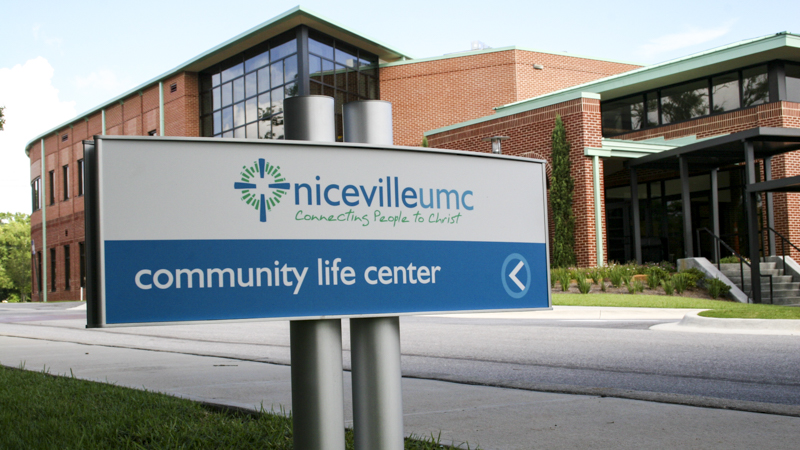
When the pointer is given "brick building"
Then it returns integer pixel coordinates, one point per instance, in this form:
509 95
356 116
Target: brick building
237 89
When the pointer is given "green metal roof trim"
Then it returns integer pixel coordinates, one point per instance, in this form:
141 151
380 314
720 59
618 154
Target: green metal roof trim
668 70
565 96
622 148
260 33
501 49
775 46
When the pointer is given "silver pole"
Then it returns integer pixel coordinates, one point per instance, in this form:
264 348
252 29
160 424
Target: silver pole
374 342
316 345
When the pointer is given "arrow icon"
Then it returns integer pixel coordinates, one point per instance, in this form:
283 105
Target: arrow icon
513 276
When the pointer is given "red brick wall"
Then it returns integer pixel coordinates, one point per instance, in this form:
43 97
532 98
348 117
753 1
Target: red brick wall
133 116
531 136
433 94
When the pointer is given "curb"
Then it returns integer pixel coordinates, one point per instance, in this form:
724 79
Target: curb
693 322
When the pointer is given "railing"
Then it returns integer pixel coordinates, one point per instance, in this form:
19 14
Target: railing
784 241
742 261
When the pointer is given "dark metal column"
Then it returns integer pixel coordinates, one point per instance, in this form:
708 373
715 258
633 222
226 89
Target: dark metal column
637 233
303 74
688 245
752 220
770 208
715 211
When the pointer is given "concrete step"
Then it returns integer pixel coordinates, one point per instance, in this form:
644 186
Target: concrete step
738 273
764 280
777 293
763 266
783 301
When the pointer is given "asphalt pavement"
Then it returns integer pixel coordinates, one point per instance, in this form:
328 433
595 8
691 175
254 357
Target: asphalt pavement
249 370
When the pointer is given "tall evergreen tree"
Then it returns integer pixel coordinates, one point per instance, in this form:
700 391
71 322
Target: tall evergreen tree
561 187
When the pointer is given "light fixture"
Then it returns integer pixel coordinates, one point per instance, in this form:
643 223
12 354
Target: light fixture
495 140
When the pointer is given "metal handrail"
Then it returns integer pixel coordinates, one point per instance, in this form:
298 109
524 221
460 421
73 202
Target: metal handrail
741 262
784 241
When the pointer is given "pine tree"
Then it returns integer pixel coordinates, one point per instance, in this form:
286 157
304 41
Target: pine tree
561 187
424 141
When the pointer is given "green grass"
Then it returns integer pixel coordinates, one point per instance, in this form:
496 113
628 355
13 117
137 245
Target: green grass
38 410
718 308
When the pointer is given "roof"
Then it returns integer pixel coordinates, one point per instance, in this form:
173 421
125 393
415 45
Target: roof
724 150
781 45
260 33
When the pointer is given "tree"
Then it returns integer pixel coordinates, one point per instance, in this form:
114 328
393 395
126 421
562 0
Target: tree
15 253
424 141
2 119
561 187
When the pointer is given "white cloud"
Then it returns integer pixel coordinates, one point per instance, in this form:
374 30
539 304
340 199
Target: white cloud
103 79
32 107
690 37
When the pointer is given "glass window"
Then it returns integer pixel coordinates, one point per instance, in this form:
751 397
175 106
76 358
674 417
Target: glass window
327 72
276 73
684 101
251 84
655 189
345 58
283 50
251 110
256 62
623 192
320 49
227 118
215 79
53 269
341 77
238 114
216 96
238 90
290 69
264 106
622 116
755 86
81 177
263 80
227 94
205 103
52 186
65 181
290 90
652 108
233 72
67 274
239 133
793 82
315 67
252 131
36 193
725 92
218 122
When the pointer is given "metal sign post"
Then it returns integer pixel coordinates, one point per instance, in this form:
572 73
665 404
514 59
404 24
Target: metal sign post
374 342
316 345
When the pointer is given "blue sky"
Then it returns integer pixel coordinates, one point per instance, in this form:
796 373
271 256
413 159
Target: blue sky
61 59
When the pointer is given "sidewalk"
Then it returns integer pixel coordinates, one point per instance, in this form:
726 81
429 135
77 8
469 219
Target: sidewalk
241 374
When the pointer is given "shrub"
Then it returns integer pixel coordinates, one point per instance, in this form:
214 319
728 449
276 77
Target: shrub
602 285
655 275
638 286
595 275
668 286
717 287
680 281
630 286
584 286
730 260
693 275
564 279
615 275
555 274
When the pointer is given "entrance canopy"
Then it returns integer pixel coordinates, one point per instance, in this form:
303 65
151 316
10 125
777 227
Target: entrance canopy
710 155
728 150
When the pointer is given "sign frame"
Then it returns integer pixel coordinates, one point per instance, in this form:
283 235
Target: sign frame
95 283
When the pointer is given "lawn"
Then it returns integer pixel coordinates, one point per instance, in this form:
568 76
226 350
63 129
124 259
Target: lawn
717 308
48 412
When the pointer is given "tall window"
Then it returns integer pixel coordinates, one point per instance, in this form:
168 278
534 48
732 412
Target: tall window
66 267
65 180
793 82
82 257
36 193
685 101
39 271
243 97
81 177
51 185
53 269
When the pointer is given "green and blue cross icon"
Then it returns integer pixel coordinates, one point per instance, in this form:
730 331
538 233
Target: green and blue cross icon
263 196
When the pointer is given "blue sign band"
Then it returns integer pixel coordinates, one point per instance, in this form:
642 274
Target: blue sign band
195 280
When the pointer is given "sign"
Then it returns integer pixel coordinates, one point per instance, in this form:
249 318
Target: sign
214 229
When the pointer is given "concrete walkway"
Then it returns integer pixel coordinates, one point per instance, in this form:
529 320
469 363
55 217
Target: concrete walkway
489 417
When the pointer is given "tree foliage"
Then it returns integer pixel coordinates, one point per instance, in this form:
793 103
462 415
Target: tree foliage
2 119
15 253
561 188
